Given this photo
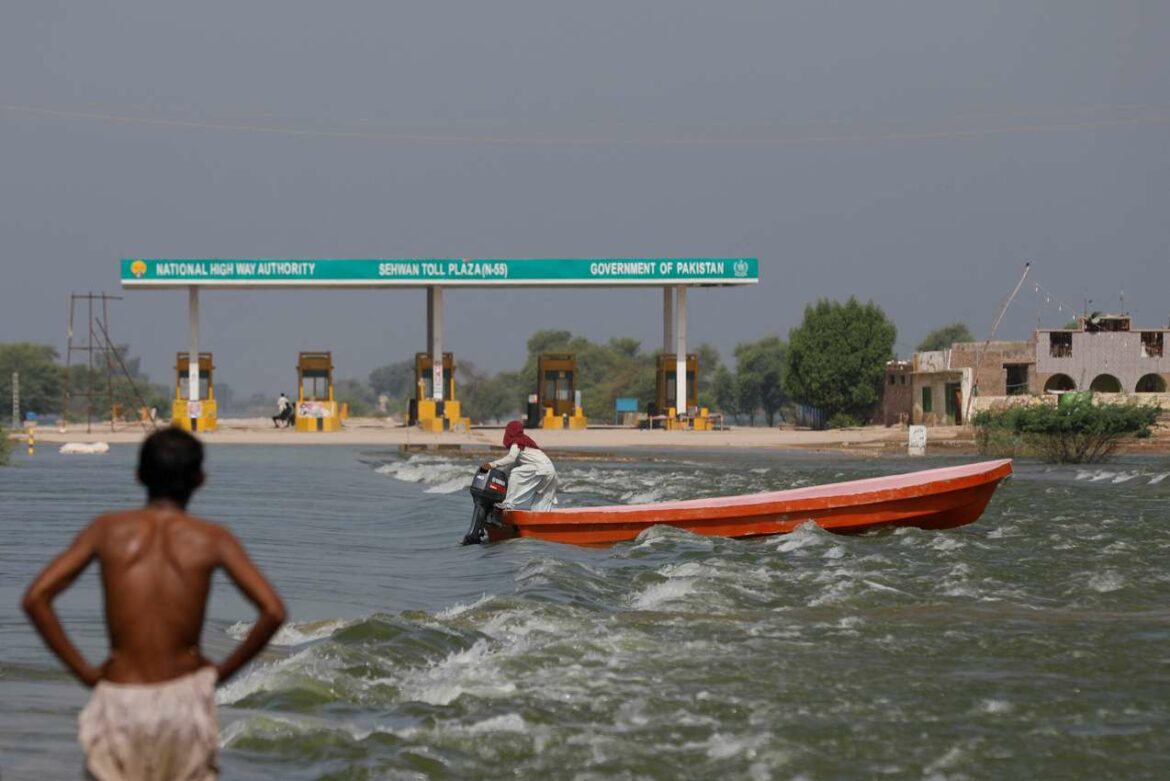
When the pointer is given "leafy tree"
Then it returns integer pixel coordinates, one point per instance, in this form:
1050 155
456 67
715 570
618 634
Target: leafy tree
360 397
724 392
761 365
942 338
748 393
5 446
837 357
40 377
395 380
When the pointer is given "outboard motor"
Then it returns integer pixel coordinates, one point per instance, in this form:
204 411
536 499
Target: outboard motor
488 488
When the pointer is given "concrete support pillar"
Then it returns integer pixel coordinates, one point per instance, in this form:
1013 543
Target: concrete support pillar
680 350
667 319
430 316
192 344
435 337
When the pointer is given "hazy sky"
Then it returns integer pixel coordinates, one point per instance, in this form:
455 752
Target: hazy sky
912 153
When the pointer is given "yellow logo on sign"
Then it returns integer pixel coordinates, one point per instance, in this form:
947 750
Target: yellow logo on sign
138 268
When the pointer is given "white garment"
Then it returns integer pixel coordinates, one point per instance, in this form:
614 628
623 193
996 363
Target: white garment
282 404
152 732
532 479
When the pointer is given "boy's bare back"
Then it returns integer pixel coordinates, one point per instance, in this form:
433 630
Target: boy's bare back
156 567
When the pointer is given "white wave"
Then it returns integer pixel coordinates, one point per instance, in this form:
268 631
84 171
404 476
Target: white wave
642 497
945 543
996 707
266 677
451 486
509 722
1104 582
471 671
1159 478
430 470
836 552
1124 477
658 594
292 634
803 536
456 610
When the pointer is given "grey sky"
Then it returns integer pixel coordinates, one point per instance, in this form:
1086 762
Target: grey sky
915 154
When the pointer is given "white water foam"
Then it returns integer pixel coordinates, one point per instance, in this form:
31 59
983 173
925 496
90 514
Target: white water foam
658 594
1107 581
266 677
803 536
440 473
292 634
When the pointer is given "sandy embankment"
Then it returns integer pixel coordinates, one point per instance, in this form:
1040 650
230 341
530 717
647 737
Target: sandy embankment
376 432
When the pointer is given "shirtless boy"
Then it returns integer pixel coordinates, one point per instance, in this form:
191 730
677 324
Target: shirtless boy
152 713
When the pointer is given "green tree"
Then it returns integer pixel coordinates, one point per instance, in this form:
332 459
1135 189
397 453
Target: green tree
40 377
761 365
360 397
395 380
943 337
723 390
837 357
748 394
5 446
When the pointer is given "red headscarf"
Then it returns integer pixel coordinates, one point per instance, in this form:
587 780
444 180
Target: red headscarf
514 435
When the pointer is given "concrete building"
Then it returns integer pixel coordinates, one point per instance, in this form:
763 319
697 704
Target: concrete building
1005 368
897 394
1103 354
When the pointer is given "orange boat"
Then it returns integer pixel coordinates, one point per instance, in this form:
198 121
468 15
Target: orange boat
930 499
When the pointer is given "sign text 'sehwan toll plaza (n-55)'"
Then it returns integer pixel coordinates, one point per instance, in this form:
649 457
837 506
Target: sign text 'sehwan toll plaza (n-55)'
673 275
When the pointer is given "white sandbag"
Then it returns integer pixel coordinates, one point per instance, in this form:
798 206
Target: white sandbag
85 448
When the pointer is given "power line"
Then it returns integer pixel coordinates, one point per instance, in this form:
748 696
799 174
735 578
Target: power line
505 140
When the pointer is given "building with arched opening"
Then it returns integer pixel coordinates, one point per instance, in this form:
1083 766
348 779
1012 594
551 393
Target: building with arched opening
1104 354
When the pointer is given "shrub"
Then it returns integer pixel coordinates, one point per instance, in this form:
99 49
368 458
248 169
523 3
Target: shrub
5 446
1076 433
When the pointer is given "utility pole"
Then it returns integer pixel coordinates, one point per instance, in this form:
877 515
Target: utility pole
994 326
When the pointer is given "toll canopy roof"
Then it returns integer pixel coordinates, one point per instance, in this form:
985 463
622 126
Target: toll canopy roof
422 272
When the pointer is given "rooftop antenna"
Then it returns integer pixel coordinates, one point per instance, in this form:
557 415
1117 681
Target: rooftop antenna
994 326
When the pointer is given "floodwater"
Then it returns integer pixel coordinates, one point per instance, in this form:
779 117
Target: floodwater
1034 643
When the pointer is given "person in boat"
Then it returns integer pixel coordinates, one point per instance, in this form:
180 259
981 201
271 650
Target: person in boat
532 478
152 712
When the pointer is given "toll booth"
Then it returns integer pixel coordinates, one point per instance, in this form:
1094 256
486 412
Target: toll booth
425 411
200 415
556 391
316 408
693 417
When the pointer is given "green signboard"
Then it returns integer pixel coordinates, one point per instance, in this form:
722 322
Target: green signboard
224 272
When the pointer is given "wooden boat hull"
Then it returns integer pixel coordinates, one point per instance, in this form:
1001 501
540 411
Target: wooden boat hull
930 499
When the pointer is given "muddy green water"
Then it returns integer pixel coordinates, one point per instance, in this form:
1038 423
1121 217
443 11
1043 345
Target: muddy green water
1032 644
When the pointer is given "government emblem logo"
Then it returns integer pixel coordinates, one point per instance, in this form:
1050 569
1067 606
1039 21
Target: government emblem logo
741 268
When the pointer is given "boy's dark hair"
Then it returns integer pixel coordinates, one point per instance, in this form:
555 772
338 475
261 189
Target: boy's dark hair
170 465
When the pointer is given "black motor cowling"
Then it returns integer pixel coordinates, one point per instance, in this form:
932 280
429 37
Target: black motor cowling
488 488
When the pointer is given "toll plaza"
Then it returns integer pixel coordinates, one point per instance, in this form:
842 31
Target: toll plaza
316 409
674 276
427 412
556 391
667 396
193 408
